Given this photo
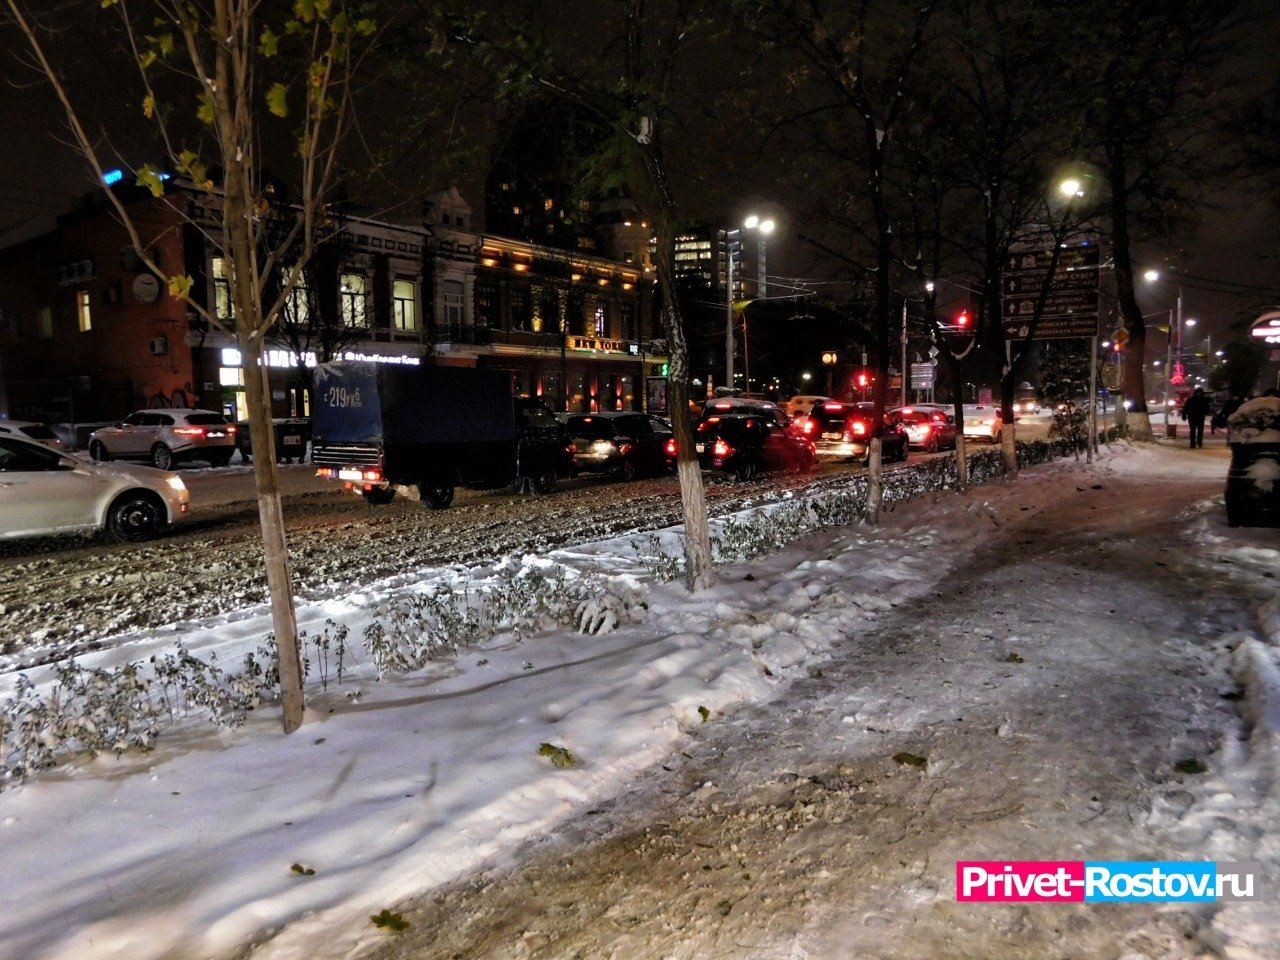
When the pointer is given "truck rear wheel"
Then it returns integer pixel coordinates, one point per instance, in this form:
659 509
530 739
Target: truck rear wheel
436 494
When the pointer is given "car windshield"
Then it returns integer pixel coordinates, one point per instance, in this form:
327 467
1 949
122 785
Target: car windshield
38 431
205 419
590 428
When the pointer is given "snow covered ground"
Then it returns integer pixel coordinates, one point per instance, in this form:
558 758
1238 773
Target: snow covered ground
1047 649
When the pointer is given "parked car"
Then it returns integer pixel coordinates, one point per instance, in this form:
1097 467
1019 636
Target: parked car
928 429
28 430
166 438
799 406
629 444
292 434
744 445
842 431
45 491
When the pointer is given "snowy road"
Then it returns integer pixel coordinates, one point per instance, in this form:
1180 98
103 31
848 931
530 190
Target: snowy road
63 597
1049 686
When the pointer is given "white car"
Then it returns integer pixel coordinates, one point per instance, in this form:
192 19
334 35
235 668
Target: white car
44 491
166 437
29 430
799 406
984 423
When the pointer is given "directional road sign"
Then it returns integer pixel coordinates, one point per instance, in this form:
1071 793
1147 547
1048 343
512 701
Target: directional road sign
1071 308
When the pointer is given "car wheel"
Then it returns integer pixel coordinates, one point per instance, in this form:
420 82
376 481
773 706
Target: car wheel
628 471
220 459
137 515
380 496
745 472
998 438
931 446
436 494
544 480
161 457
98 451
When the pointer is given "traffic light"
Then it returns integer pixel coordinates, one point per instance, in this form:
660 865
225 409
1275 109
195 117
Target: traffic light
962 321
863 380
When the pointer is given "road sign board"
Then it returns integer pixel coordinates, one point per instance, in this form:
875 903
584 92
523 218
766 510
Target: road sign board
1071 305
921 376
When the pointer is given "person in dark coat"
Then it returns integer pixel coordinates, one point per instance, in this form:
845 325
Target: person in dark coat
1194 411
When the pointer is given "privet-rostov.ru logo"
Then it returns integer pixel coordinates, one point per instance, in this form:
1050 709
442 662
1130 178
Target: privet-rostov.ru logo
1101 881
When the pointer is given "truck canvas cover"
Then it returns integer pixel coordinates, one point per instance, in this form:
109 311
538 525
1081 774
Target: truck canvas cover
390 403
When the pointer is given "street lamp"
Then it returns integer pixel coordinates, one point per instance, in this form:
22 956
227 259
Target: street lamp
1175 330
763 227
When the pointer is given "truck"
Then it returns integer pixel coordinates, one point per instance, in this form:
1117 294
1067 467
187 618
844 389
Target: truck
423 430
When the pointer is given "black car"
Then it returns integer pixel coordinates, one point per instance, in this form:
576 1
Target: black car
545 449
744 445
628 444
842 431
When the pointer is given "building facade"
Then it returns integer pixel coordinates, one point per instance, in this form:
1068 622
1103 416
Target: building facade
89 334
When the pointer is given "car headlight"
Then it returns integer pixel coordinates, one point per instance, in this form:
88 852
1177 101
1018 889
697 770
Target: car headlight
175 483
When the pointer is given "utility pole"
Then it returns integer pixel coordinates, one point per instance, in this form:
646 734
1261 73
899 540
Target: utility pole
729 237
904 352
1093 399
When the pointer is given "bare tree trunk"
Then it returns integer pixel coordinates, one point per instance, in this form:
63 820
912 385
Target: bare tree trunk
962 448
271 519
875 480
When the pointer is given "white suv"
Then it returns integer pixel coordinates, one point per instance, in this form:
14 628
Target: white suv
44 491
166 437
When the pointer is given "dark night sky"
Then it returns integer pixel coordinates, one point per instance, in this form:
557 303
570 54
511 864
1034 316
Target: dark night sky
1237 242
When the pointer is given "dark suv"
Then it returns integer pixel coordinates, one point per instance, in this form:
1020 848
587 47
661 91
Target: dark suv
744 445
545 451
842 431
629 444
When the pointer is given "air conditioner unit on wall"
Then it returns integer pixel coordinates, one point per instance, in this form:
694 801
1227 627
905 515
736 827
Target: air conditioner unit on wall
159 346
72 273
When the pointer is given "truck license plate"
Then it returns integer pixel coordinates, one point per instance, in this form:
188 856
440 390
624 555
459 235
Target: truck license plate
350 475
292 441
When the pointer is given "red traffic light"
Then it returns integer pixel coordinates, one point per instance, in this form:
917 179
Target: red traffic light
862 379
962 319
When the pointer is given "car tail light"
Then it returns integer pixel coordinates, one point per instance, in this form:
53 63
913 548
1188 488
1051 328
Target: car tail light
858 428
809 425
329 473
671 447
189 431
831 406
625 447
925 429
373 475
570 448
721 449
231 429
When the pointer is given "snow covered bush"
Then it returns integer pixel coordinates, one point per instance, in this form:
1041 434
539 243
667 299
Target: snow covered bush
1257 421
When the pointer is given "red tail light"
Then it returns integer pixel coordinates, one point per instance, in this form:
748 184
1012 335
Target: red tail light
858 428
625 448
721 449
189 431
671 447
231 429
374 475
831 406
809 425
925 428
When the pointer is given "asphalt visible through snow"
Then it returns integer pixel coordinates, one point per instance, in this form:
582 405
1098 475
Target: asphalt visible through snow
1033 706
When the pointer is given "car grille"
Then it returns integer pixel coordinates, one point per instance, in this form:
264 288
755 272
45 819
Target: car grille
342 454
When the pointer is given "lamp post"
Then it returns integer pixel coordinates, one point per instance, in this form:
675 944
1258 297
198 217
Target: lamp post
1175 333
763 227
730 241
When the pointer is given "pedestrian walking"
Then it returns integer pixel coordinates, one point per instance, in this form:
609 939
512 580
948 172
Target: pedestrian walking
1194 411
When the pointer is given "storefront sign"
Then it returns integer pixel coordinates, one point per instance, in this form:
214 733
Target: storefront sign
594 345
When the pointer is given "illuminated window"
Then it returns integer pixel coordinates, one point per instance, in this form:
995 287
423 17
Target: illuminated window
231 376
298 306
222 307
515 211
83 313
354 293
601 320
548 204
404 296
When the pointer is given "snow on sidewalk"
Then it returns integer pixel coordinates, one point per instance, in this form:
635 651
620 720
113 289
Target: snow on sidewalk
397 786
